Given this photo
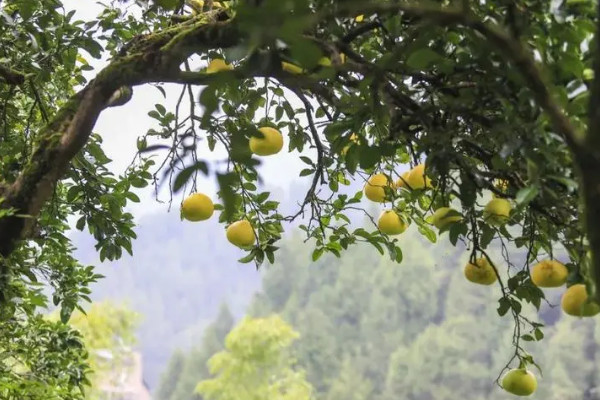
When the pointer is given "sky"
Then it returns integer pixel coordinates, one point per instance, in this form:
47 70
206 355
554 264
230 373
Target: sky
121 126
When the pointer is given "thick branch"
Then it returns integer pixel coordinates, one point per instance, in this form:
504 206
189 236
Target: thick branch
593 135
153 58
360 30
511 47
11 76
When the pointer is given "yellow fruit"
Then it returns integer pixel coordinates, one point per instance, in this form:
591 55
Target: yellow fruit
353 138
501 184
440 218
359 18
574 302
197 207
519 382
218 65
291 68
497 211
196 5
216 4
401 182
417 178
391 223
481 272
549 273
271 142
241 234
325 62
375 187
342 58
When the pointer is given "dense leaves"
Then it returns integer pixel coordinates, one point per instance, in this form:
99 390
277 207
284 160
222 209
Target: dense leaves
491 96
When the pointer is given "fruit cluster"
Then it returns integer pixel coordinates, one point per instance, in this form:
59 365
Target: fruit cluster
199 207
545 274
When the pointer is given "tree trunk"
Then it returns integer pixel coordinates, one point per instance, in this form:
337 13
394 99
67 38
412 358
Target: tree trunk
589 165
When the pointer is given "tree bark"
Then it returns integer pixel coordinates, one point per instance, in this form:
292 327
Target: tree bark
153 58
588 160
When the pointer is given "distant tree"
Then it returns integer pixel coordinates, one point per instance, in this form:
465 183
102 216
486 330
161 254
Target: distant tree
445 362
195 367
256 364
354 318
108 331
350 384
570 356
171 376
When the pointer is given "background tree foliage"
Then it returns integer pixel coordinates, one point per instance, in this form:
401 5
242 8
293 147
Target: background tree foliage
107 331
256 364
480 91
439 339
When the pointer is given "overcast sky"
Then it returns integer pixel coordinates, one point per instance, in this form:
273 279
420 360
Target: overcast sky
121 126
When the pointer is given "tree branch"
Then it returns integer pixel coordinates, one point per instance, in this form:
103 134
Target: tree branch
151 58
589 164
593 136
360 30
511 47
11 76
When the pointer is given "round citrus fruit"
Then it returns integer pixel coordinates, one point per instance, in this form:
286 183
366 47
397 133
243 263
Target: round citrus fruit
270 143
440 218
197 207
375 187
519 382
241 234
575 302
549 273
391 223
325 62
218 65
497 211
481 272
401 182
417 178
291 68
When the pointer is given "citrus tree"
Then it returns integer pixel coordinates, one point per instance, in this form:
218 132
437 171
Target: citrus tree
491 106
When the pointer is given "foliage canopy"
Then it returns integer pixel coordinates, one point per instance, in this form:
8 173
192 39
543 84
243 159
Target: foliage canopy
493 97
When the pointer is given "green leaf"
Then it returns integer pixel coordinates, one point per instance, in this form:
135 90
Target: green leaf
317 253
307 171
428 233
486 237
73 192
369 156
80 223
456 230
270 256
504 306
527 338
422 58
248 258
526 195
186 173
